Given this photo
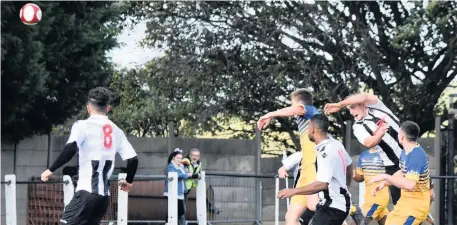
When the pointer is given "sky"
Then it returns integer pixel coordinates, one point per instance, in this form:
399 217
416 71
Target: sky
130 54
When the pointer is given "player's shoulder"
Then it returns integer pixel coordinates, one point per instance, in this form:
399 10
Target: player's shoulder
365 153
329 148
418 154
79 124
334 143
358 124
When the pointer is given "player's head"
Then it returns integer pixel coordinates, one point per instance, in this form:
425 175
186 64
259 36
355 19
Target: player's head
98 101
358 111
176 157
409 132
194 155
318 127
301 96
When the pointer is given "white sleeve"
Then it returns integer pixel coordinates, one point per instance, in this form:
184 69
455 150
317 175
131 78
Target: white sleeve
348 158
360 133
292 161
380 105
324 166
125 149
77 133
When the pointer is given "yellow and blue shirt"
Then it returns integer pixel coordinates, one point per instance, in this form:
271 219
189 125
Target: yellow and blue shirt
415 166
307 146
369 165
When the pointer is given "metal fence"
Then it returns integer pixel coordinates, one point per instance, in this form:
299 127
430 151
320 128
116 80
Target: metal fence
218 198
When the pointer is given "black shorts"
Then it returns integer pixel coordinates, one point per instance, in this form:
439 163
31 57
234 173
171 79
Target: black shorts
395 192
328 216
85 208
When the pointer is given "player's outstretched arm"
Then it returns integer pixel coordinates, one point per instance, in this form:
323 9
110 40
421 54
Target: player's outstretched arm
65 156
132 166
76 138
309 189
295 110
362 98
127 152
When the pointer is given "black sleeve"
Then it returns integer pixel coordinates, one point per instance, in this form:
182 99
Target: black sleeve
195 176
65 156
132 165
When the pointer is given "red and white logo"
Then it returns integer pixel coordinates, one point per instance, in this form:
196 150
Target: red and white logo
30 14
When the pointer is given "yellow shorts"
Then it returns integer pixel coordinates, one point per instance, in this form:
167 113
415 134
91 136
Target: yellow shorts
306 176
402 217
374 211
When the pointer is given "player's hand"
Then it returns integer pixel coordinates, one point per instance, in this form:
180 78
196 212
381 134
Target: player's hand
382 129
378 187
45 175
282 173
332 108
377 178
264 121
125 186
286 193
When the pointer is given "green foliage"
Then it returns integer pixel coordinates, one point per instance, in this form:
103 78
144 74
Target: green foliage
243 59
143 111
47 69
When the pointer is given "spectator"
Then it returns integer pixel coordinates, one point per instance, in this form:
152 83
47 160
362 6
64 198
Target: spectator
175 165
193 166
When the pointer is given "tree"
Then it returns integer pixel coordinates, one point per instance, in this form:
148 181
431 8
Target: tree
139 110
47 69
242 59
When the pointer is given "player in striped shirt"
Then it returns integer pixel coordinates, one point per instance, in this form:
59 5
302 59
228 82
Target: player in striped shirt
96 140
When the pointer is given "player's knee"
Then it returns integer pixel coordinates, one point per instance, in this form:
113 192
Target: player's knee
292 218
312 207
312 202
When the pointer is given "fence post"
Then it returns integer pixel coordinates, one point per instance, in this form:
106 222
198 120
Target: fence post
437 189
172 198
361 192
171 137
10 200
277 200
348 136
201 200
122 202
258 139
68 190
450 168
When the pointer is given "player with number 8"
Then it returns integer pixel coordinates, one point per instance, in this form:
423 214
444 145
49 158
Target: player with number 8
97 140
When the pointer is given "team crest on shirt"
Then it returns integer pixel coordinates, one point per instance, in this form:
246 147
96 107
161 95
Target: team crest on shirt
324 154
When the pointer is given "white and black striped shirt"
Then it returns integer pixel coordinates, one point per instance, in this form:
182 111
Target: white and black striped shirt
98 140
388 148
331 165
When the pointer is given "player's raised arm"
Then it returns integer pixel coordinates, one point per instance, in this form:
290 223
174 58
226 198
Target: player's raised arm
362 98
74 141
295 110
127 152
